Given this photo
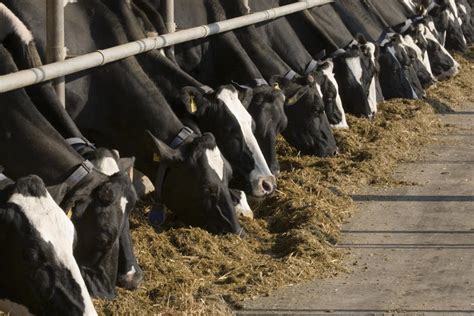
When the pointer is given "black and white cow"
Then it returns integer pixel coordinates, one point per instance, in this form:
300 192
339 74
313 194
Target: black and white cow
106 161
119 107
397 77
301 93
97 202
41 274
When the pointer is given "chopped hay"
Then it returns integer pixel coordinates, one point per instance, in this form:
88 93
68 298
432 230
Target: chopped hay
188 270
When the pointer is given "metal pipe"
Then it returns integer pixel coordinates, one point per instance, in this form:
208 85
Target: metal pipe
55 41
169 16
99 58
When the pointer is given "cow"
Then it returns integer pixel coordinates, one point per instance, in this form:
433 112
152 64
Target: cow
106 161
357 89
397 77
419 29
96 202
221 112
37 240
100 102
300 92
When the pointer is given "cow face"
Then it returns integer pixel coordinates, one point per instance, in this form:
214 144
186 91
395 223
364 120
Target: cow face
355 71
419 59
225 115
396 74
99 218
326 79
449 25
42 275
267 110
442 63
308 129
195 186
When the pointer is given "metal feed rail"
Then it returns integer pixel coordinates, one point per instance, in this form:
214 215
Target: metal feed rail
55 70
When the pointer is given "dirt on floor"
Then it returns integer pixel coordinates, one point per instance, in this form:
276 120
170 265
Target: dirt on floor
188 270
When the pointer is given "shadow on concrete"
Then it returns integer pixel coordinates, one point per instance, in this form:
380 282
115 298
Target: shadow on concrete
413 198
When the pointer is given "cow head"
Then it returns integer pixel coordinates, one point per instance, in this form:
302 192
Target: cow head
308 129
267 110
195 186
224 114
324 75
449 24
356 70
442 63
397 77
99 217
38 240
419 58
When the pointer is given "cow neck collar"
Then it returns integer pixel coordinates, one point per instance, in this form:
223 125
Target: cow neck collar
177 142
81 145
79 174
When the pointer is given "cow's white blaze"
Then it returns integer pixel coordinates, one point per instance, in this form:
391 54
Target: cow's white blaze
372 97
329 74
232 102
355 67
55 228
123 204
10 23
13 308
107 165
243 208
216 162
408 41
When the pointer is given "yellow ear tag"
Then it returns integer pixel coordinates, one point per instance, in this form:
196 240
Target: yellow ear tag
69 213
276 86
156 157
193 104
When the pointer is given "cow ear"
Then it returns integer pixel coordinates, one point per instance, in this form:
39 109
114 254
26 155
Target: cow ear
192 100
361 39
297 96
126 165
245 96
161 151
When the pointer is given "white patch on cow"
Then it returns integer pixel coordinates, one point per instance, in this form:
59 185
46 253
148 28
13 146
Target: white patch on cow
123 204
216 162
2 177
431 27
10 23
231 100
132 271
329 74
409 4
66 2
463 8
408 41
372 97
57 229
12 308
107 165
355 67
454 8
243 208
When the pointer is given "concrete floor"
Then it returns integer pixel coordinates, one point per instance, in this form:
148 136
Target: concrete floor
412 247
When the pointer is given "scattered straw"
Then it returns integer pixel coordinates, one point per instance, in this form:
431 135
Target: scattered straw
188 270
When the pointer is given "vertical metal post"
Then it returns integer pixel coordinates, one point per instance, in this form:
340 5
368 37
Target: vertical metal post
169 19
55 41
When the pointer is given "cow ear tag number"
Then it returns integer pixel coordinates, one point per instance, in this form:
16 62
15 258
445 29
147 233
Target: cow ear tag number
193 104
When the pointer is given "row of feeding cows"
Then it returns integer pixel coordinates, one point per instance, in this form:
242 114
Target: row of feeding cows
200 118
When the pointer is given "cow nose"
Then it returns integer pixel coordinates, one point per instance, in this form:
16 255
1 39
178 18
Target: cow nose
267 185
372 115
335 152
